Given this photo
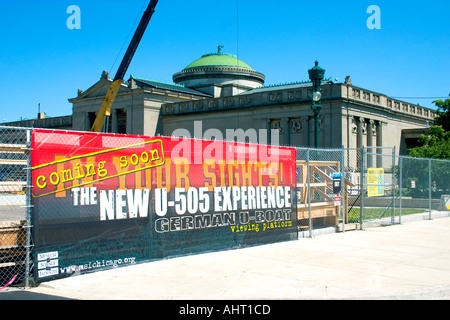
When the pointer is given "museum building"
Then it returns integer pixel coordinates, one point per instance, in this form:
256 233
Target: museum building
221 92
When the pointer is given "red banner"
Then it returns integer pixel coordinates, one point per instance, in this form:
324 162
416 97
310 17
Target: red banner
175 187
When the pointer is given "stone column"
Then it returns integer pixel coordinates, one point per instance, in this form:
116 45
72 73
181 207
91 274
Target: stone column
268 130
359 132
286 130
114 128
310 131
379 130
359 140
369 143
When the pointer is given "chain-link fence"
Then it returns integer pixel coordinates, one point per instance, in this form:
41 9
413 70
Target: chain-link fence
378 187
341 189
369 182
319 188
353 184
423 185
378 196
15 217
395 186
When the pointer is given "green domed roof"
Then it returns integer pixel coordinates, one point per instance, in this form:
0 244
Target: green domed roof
218 59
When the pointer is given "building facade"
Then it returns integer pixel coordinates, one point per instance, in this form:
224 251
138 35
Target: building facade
221 92
351 116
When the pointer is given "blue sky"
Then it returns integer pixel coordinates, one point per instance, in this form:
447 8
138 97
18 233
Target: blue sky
42 61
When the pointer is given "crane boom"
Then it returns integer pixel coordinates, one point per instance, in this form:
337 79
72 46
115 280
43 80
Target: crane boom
105 109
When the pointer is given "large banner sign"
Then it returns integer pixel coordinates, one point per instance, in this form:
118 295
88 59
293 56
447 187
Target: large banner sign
103 200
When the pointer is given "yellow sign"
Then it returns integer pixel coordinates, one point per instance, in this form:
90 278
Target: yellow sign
375 182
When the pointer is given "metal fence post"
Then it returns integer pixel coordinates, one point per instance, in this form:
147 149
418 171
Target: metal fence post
429 184
400 167
361 187
309 193
28 211
393 186
343 188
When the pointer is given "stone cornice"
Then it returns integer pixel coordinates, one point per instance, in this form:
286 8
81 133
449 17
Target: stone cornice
368 98
55 122
138 91
295 95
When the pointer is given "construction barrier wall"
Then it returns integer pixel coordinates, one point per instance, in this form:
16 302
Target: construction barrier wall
102 201
77 202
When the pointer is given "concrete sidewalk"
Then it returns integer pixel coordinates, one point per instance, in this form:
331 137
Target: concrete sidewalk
409 261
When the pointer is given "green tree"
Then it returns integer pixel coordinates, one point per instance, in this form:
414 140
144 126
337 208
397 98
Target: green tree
443 114
436 144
